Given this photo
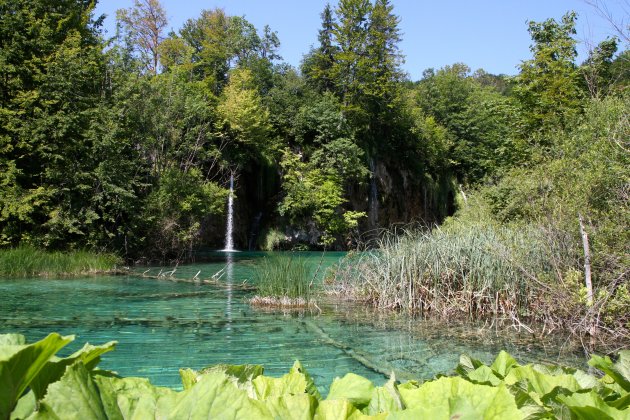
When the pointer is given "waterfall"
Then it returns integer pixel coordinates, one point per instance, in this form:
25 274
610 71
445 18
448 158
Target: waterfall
229 242
373 197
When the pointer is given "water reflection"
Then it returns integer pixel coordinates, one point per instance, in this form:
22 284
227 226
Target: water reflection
229 283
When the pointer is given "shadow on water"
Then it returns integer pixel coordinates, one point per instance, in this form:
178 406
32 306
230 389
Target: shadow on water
163 325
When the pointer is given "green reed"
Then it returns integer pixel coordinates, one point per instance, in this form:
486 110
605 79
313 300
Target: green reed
284 275
475 269
26 261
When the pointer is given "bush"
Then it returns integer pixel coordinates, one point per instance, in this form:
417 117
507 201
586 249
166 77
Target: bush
273 240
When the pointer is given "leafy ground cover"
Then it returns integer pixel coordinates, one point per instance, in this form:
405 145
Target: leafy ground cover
36 384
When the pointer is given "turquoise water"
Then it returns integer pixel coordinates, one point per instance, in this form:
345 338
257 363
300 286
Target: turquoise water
162 325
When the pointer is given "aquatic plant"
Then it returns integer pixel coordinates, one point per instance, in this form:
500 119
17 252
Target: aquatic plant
36 384
284 276
475 269
27 261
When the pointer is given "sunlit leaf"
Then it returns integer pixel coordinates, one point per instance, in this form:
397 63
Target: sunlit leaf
20 364
459 398
353 388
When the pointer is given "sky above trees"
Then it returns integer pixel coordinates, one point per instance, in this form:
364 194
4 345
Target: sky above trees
491 33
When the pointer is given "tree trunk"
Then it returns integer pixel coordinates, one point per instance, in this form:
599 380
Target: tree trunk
587 263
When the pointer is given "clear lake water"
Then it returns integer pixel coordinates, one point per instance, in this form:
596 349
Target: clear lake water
162 325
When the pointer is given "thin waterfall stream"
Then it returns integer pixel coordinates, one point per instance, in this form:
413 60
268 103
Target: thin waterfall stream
229 241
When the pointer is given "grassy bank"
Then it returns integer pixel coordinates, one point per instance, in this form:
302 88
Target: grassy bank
477 270
27 261
473 268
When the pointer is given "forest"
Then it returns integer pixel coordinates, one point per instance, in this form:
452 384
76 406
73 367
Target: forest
127 144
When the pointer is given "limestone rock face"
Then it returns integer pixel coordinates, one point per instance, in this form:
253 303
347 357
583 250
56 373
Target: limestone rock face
402 198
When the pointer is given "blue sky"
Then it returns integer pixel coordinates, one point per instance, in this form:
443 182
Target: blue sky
488 34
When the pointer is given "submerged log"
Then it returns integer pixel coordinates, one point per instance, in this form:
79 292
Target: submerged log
382 367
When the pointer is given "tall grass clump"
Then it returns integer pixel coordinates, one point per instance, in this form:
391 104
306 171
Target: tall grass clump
284 279
27 261
474 269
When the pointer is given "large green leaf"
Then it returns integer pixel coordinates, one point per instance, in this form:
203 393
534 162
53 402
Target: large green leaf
20 364
466 365
12 340
528 402
311 388
241 375
484 375
583 379
503 363
539 382
25 406
591 406
620 403
619 372
385 399
74 396
292 406
189 377
293 383
354 388
340 409
134 398
447 398
216 396
78 396
89 355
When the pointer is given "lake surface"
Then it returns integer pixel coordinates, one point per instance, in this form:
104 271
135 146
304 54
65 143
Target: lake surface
162 325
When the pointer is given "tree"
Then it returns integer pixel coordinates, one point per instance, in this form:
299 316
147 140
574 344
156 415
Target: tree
481 123
548 85
269 44
596 70
221 43
313 195
350 32
242 112
383 56
51 84
318 66
144 24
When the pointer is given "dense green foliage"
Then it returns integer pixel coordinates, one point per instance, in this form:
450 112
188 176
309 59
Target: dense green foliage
71 387
27 261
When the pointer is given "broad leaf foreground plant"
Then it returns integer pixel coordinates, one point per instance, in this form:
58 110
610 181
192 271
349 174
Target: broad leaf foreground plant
36 384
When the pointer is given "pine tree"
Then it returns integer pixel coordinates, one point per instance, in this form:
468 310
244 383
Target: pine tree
350 32
383 57
319 66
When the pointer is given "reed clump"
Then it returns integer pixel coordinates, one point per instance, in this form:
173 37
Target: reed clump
283 280
27 261
476 269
